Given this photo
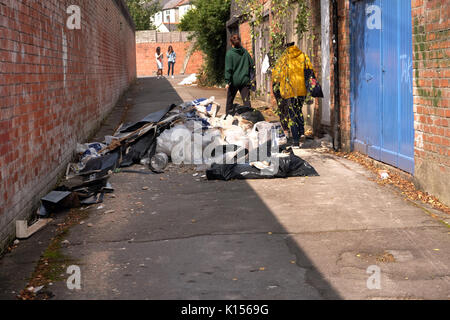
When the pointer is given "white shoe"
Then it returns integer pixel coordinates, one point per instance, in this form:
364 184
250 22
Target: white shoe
173 77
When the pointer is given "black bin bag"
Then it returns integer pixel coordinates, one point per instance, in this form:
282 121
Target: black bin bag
291 166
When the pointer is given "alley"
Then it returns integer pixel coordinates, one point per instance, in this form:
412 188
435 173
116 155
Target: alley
179 236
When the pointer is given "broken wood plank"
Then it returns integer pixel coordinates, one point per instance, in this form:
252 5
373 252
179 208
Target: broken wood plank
23 231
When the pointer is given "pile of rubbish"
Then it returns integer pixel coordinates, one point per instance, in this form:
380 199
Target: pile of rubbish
238 146
189 80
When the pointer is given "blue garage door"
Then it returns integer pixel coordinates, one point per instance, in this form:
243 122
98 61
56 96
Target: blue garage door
381 81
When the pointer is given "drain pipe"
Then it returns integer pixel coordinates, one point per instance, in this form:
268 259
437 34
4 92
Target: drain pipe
337 94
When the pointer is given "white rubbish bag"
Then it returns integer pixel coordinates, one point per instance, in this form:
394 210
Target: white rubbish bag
175 143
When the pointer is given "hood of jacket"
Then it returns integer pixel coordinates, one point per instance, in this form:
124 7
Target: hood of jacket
240 51
294 52
289 72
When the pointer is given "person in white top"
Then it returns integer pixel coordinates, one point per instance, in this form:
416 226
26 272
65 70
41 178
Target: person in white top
171 59
159 61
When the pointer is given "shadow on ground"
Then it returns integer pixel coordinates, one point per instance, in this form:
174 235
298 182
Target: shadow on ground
185 237
178 236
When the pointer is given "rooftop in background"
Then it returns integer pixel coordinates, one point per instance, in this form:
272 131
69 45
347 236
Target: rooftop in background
171 4
184 2
171 14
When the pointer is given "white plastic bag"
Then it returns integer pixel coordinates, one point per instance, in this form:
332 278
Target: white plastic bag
236 135
265 65
168 139
265 131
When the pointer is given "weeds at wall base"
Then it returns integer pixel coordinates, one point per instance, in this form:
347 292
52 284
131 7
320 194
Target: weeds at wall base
53 263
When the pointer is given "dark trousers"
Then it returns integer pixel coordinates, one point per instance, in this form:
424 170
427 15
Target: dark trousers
231 94
292 116
171 64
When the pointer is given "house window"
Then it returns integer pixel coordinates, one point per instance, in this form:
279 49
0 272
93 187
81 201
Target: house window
158 19
167 16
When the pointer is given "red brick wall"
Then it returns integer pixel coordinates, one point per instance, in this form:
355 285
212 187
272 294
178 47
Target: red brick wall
56 85
431 63
246 37
146 63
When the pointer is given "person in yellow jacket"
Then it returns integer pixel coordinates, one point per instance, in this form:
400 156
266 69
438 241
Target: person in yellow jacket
289 73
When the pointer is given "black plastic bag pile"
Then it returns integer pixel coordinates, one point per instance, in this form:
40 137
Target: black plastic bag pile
290 166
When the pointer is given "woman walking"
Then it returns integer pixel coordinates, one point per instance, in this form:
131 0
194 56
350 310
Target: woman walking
171 59
238 66
159 61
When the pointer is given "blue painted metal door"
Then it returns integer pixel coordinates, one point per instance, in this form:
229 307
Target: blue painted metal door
381 81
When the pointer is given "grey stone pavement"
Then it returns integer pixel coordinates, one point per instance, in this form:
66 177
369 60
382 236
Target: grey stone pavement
296 238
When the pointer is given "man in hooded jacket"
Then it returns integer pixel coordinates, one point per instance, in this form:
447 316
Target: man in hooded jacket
238 67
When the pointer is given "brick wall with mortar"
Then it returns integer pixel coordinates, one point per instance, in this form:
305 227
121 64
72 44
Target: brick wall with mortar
146 63
246 37
56 86
431 65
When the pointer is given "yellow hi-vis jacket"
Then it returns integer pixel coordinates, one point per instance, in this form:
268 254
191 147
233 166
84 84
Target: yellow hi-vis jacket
289 72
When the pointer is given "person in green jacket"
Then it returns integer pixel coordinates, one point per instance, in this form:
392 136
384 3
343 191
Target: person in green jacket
238 69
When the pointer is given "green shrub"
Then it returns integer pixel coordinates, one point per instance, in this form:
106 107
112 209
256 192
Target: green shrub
141 11
207 21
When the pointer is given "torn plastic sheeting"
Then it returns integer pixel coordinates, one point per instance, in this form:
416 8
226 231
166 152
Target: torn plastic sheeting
95 199
248 113
192 122
290 166
139 149
96 146
229 154
108 188
94 180
206 106
101 165
87 192
151 118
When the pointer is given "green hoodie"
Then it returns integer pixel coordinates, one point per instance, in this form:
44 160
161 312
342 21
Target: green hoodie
238 64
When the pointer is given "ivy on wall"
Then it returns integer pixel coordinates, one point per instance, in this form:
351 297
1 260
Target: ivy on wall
281 11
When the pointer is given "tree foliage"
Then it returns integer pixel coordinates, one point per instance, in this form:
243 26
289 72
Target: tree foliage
142 11
207 20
